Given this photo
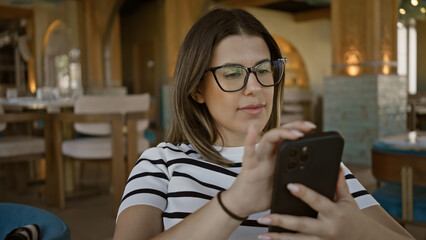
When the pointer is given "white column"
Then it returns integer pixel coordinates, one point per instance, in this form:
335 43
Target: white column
402 49
412 57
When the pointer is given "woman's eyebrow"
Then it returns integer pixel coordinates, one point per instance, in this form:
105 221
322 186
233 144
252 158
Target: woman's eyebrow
261 61
237 64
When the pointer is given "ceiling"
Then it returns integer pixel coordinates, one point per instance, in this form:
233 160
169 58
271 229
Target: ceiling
296 6
290 6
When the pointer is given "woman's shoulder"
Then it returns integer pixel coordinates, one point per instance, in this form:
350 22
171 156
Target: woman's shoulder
167 151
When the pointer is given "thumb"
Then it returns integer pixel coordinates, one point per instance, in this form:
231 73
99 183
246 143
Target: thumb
249 147
342 190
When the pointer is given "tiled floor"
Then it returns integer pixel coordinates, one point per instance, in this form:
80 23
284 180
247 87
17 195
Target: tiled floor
91 217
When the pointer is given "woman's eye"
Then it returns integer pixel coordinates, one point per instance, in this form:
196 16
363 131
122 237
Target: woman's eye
231 73
263 71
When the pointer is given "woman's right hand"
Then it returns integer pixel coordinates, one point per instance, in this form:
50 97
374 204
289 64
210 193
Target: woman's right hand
252 189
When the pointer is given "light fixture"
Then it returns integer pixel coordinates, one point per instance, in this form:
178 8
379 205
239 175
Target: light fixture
386 68
402 11
414 2
423 10
352 59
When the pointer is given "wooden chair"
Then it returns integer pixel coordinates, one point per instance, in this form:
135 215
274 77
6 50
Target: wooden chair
18 150
407 168
115 125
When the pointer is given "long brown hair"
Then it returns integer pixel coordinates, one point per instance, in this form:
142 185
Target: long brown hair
191 122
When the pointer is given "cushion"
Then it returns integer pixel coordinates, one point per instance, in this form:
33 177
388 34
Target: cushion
93 148
14 146
389 197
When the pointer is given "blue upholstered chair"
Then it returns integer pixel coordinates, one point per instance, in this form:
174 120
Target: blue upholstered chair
389 197
400 168
14 215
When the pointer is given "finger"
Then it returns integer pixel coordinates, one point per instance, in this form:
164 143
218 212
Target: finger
342 189
303 126
249 145
272 138
315 200
305 225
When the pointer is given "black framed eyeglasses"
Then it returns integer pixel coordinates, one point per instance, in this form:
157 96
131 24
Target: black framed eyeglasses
233 78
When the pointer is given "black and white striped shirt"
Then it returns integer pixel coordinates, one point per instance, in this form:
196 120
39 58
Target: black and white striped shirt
178 181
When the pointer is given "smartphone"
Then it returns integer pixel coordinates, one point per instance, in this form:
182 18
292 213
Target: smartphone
312 160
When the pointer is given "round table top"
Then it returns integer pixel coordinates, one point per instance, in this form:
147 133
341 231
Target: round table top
409 143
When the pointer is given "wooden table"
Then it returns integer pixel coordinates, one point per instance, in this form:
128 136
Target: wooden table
31 103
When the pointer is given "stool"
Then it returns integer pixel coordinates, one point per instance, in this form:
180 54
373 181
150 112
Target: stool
400 163
389 197
14 215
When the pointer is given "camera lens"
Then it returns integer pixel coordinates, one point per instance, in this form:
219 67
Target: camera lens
293 152
291 165
304 157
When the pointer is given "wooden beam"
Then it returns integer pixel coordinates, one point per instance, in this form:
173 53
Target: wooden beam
15 12
248 3
312 15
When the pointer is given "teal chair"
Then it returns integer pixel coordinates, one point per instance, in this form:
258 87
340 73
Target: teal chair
389 197
400 168
14 215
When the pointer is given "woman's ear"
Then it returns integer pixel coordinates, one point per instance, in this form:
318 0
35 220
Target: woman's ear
197 95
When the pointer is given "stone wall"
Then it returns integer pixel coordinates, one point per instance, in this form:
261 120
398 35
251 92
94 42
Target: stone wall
364 108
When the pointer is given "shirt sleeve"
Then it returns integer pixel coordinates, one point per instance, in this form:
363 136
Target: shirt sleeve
361 196
148 182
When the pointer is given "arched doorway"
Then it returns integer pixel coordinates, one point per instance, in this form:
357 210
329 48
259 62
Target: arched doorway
296 75
297 94
61 68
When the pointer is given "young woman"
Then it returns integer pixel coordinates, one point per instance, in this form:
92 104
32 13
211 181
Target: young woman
227 101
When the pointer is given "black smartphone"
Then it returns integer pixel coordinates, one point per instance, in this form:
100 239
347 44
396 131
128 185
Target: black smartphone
312 160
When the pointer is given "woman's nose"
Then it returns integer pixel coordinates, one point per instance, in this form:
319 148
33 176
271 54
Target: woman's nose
252 84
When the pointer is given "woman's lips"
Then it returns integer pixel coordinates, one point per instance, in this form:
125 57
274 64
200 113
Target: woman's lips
252 109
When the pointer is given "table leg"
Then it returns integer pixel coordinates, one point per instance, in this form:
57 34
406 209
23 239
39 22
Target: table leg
410 193
407 193
404 192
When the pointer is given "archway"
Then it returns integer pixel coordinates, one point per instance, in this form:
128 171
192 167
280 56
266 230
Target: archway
60 68
296 74
297 94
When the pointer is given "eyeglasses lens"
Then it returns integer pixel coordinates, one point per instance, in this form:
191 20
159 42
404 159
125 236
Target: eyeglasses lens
232 78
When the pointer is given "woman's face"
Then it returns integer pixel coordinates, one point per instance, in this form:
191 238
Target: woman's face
234 112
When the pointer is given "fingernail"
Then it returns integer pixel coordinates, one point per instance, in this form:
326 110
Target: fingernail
297 133
264 220
309 124
292 188
262 237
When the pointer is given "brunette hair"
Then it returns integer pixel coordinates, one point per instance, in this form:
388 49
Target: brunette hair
191 121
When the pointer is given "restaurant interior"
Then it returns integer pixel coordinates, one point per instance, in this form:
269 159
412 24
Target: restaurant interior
70 69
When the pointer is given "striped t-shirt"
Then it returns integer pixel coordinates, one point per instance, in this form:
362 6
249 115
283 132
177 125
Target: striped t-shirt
178 181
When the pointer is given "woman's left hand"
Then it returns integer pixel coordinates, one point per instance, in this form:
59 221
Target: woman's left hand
341 219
